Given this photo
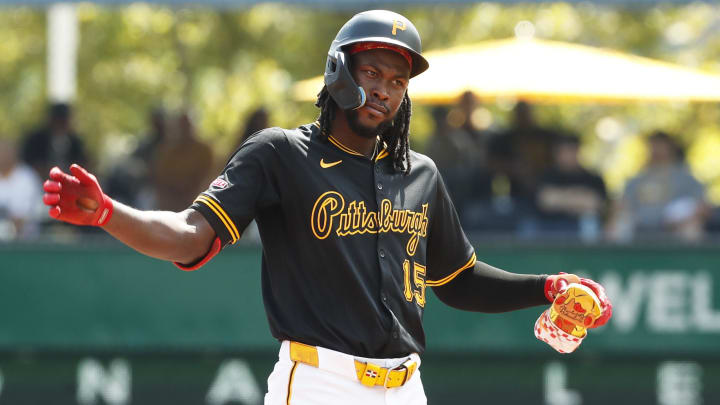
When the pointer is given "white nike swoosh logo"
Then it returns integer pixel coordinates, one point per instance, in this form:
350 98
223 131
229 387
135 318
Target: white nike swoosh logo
327 165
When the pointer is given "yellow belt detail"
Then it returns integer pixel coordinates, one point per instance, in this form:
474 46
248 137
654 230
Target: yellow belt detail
368 374
304 354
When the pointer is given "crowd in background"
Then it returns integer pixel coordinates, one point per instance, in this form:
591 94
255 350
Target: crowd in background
523 181
527 181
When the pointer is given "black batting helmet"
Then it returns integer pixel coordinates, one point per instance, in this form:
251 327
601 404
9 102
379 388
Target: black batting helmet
380 26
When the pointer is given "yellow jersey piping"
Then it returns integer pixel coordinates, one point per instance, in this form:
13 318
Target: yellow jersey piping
449 278
343 147
221 214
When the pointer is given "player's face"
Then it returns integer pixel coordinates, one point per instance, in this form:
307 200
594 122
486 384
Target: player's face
384 75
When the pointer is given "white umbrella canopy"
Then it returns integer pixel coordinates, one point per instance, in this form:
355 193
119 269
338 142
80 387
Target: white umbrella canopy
548 71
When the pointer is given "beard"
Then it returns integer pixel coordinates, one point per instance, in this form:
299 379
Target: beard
353 119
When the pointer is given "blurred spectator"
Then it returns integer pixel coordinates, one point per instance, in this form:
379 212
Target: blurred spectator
150 142
440 148
570 198
55 143
457 143
130 182
459 151
663 198
182 166
523 153
20 196
257 120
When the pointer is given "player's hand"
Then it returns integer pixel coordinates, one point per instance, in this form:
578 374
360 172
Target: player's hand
605 304
556 284
77 198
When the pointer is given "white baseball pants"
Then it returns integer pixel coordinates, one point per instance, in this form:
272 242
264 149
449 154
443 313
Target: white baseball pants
335 382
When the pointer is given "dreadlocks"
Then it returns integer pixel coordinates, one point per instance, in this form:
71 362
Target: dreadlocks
395 136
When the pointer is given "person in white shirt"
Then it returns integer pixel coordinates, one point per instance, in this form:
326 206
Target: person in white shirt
20 191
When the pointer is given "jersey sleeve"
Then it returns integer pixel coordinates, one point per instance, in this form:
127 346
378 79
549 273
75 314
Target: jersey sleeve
248 183
449 252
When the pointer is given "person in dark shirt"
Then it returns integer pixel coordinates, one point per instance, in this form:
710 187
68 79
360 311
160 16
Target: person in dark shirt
523 153
570 199
130 180
54 144
258 120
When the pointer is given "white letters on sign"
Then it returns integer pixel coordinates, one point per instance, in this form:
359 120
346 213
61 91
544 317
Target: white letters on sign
627 299
556 391
671 301
667 309
706 319
234 382
112 385
679 383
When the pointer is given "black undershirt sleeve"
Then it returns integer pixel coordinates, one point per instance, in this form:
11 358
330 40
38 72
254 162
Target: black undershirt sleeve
489 289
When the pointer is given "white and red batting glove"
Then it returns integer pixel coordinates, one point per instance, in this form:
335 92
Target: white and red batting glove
592 309
77 198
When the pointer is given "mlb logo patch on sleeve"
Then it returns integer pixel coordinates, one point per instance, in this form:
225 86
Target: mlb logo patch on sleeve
219 183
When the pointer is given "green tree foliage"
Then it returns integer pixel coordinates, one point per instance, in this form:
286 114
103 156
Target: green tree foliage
22 69
225 63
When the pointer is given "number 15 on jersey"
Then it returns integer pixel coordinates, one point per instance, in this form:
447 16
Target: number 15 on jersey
413 281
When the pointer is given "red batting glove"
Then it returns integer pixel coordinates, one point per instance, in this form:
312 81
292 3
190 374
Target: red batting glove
605 304
77 199
556 284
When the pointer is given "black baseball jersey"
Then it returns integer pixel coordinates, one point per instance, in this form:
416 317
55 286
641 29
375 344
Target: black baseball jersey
349 245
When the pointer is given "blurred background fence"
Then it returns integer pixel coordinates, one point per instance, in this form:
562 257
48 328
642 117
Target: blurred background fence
103 318
547 170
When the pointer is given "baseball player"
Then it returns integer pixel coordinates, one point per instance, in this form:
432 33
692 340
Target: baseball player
354 227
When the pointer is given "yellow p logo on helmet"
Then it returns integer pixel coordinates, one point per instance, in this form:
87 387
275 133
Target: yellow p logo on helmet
398 25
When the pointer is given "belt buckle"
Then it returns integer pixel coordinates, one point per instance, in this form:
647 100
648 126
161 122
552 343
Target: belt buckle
409 365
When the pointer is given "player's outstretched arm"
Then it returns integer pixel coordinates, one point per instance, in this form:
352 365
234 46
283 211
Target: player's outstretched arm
77 198
181 237
484 288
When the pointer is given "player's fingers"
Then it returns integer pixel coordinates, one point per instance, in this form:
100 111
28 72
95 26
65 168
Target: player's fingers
51 199
598 289
62 177
604 318
57 174
54 211
605 303
51 186
564 279
82 174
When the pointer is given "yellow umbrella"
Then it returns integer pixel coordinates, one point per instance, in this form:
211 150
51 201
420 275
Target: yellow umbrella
548 71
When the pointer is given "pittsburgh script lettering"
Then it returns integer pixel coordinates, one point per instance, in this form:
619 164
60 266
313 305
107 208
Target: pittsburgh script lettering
330 213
